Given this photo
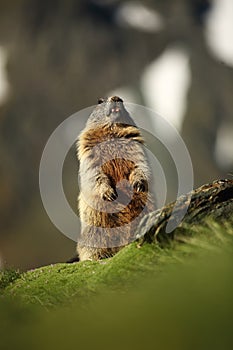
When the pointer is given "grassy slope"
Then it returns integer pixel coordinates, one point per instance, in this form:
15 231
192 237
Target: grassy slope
177 297
62 283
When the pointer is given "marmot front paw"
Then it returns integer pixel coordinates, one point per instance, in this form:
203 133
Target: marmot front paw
140 185
109 195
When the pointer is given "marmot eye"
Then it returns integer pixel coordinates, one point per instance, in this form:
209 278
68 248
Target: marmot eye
100 100
116 99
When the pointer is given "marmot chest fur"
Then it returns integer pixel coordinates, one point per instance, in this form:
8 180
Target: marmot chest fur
114 180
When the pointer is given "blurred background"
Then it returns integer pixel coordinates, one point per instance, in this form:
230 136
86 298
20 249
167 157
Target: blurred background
57 57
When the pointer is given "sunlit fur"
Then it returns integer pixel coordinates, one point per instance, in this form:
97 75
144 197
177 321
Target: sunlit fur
114 181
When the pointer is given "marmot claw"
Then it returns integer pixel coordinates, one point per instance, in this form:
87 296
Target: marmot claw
110 195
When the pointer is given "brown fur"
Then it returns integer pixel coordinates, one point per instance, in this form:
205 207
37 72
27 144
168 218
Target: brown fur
114 186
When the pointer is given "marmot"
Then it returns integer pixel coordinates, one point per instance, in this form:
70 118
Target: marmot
114 180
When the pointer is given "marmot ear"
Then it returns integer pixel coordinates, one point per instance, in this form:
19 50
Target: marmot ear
100 100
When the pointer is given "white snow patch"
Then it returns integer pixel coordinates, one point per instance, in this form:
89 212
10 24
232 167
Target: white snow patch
224 146
4 85
219 30
136 15
165 84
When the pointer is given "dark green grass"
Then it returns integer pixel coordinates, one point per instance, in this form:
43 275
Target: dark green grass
7 277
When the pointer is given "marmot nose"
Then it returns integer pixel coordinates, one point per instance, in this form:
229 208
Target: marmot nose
115 99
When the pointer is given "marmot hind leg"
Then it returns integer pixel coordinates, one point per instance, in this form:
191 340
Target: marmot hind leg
89 253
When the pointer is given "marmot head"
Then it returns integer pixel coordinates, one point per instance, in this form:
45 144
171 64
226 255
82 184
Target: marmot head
110 110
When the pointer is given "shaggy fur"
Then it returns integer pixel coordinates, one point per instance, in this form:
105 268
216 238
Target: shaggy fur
114 180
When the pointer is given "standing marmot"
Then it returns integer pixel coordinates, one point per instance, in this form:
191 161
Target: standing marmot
114 180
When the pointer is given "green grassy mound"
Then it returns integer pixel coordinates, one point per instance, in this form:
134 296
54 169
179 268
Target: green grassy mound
174 297
62 283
